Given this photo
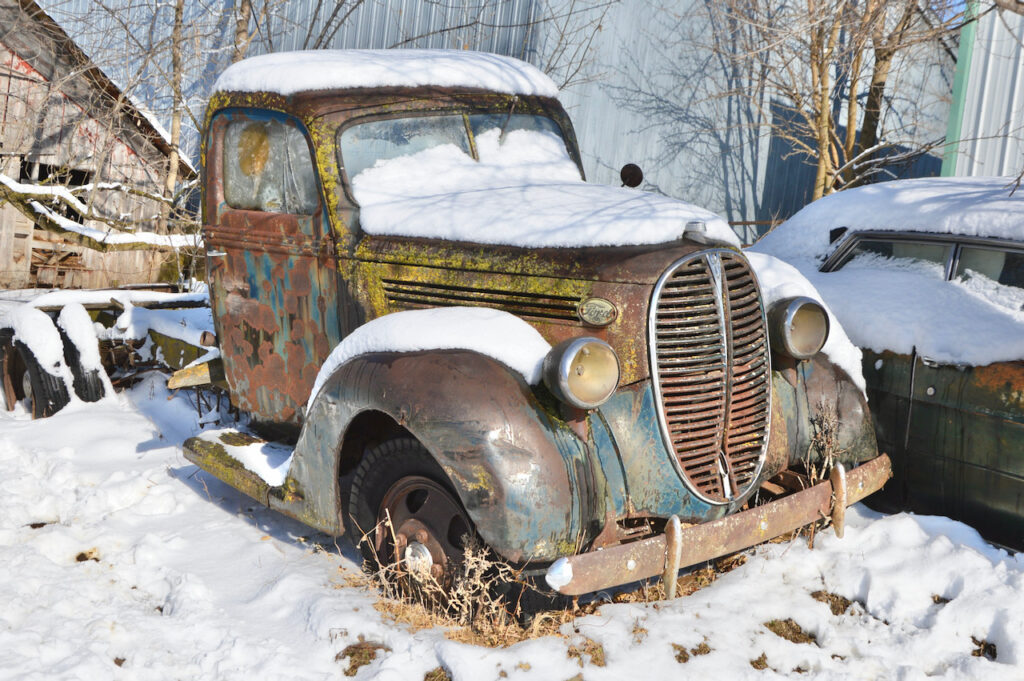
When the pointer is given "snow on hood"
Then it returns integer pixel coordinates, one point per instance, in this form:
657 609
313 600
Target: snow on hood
286 73
965 206
495 333
523 192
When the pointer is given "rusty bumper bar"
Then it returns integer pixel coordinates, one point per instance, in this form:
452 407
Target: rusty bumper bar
588 572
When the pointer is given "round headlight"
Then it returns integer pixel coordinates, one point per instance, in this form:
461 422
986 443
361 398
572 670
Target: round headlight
799 327
582 372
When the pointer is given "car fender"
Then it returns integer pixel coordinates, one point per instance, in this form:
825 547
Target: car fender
523 475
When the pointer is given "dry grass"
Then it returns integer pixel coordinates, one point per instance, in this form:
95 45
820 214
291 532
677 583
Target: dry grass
836 603
587 650
683 655
790 630
359 655
983 648
489 602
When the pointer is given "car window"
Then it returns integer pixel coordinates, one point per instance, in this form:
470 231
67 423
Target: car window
268 167
870 250
998 275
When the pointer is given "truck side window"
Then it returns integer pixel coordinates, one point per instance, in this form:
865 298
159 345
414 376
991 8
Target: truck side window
268 167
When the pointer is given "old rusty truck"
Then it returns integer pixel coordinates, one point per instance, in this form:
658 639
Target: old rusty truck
431 319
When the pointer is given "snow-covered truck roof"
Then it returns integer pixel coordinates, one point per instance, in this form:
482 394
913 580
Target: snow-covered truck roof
287 73
963 206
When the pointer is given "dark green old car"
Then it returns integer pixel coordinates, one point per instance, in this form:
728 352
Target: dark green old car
927 277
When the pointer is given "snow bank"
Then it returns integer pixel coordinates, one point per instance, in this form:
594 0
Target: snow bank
494 333
121 560
286 73
780 280
525 192
967 206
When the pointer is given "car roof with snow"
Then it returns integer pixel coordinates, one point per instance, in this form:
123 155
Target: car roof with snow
289 73
984 207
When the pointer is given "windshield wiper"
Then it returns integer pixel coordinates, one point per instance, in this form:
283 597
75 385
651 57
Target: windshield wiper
504 126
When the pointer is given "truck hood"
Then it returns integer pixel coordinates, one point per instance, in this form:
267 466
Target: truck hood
551 215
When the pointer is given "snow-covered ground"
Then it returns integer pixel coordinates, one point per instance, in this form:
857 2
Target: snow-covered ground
120 560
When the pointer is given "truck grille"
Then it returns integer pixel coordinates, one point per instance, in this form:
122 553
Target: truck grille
711 372
403 295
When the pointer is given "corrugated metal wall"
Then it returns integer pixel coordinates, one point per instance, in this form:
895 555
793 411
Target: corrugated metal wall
992 130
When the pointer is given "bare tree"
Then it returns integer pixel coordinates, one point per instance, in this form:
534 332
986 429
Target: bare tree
822 76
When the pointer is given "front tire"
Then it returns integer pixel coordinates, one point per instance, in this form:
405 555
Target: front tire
406 512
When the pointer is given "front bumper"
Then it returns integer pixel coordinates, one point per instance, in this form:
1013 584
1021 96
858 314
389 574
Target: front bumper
664 554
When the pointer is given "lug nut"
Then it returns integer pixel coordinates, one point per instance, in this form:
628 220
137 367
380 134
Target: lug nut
421 536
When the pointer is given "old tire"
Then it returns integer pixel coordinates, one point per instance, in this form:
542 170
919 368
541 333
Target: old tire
88 384
400 480
24 379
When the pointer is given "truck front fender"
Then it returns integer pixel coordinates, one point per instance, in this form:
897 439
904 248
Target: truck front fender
524 477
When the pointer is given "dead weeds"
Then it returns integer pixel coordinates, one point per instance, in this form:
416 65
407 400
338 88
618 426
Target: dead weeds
790 630
588 650
490 603
359 655
683 655
437 674
983 648
836 603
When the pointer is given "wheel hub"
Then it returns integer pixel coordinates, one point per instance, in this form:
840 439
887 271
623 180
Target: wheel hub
417 558
427 527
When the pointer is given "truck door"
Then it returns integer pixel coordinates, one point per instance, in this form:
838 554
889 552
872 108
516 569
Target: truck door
270 264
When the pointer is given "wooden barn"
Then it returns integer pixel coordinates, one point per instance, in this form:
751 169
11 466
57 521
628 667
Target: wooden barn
63 123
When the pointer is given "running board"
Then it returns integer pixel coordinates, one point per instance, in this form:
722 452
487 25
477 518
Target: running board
221 452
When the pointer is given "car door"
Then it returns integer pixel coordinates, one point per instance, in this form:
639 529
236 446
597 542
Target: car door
271 270
906 419
990 405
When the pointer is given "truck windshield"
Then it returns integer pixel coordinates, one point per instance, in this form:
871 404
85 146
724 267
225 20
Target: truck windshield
365 144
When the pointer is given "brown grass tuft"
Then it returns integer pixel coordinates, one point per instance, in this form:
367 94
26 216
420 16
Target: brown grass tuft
836 603
790 630
359 655
983 649
588 650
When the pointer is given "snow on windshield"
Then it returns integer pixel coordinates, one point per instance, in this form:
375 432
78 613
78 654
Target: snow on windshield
523 191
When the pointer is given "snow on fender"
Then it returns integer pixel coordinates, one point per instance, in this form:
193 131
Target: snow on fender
495 333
